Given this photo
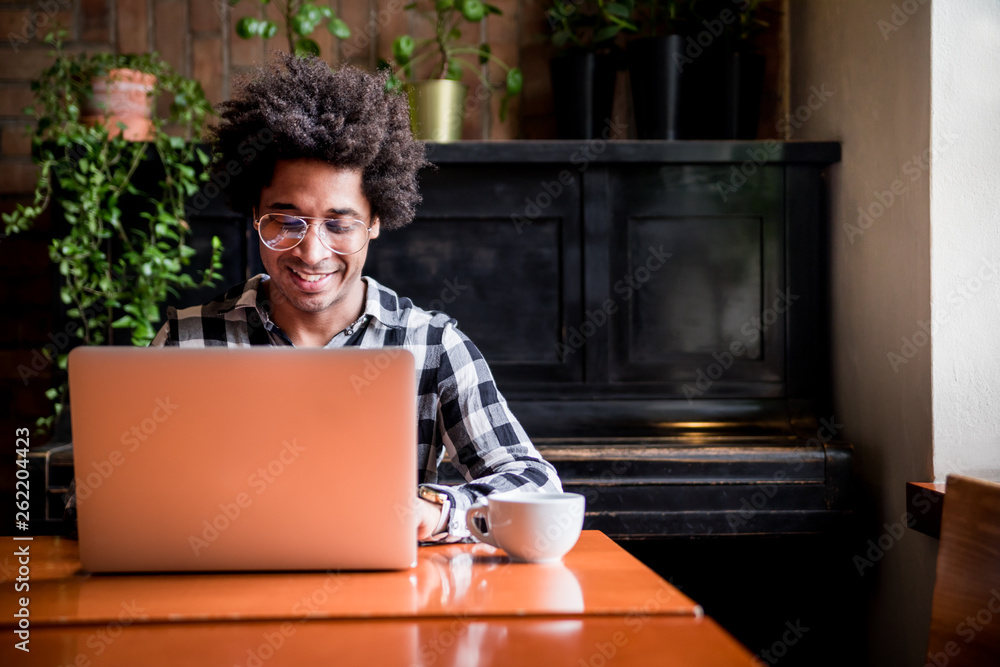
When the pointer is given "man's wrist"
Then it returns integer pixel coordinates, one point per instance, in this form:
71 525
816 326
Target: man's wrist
443 501
442 526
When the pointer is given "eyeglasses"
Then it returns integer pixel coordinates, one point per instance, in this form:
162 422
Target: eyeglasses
343 236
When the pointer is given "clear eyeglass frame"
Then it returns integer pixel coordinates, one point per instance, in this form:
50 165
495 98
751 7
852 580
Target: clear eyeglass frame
321 231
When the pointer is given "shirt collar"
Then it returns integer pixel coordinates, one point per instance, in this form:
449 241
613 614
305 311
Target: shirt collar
250 296
381 303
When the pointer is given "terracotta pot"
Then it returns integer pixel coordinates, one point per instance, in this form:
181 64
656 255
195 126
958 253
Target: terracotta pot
123 96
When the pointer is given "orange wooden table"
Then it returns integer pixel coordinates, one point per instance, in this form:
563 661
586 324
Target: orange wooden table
462 605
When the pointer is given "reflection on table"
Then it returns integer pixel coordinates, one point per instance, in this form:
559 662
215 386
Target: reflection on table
463 604
596 577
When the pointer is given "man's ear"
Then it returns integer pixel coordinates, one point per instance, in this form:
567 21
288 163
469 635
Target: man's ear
373 234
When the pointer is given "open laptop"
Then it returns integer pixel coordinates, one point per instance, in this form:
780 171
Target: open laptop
244 459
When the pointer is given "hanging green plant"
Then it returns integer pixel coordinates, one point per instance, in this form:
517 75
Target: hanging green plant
116 272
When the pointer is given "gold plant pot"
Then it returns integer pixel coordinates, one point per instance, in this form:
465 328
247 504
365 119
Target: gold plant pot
436 109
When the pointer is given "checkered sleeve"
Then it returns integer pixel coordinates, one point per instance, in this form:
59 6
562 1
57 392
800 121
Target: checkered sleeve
163 337
223 321
486 443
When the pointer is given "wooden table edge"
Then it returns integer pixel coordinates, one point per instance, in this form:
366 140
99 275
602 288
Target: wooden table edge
924 504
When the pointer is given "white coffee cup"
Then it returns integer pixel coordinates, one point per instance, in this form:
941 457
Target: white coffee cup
532 527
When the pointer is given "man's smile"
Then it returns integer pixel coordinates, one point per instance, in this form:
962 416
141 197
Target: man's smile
310 281
310 277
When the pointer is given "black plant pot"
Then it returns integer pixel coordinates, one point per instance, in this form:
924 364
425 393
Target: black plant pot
744 87
583 85
655 67
678 87
703 115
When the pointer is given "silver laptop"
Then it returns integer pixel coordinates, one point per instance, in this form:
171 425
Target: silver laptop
244 459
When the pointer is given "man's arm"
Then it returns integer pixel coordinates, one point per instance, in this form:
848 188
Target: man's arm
164 337
486 443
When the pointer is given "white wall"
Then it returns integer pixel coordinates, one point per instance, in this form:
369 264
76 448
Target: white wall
880 109
965 233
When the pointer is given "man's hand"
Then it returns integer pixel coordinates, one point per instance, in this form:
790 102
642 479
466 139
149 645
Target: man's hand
428 515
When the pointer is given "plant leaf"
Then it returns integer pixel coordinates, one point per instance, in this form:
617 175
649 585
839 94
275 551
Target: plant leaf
606 33
617 9
305 46
339 29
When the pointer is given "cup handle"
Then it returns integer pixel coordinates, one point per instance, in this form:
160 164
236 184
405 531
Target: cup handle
479 512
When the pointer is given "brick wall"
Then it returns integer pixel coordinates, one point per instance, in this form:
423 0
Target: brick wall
197 38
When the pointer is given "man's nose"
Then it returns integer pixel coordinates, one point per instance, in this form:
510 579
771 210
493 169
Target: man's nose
311 249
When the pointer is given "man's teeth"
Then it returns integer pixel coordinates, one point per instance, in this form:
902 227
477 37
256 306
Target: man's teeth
310 277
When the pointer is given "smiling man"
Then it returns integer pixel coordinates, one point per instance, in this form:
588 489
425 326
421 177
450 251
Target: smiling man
324 161
314 224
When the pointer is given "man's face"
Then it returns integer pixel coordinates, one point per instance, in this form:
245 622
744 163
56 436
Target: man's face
310 278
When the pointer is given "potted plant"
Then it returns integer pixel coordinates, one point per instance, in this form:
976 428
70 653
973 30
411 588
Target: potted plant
678 68
584 70
121 96
656 62
114 272
301 19
430 69
744 72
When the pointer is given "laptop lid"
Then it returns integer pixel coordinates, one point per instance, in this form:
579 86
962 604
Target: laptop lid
244 459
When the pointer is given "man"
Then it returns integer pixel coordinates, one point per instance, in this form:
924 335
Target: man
324 161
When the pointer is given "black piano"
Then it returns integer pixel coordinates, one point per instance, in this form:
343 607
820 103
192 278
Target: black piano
656 315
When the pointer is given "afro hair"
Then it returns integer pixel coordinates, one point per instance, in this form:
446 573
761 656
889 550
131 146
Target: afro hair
300 108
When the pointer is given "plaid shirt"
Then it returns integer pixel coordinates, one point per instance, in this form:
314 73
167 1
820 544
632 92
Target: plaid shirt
459 408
